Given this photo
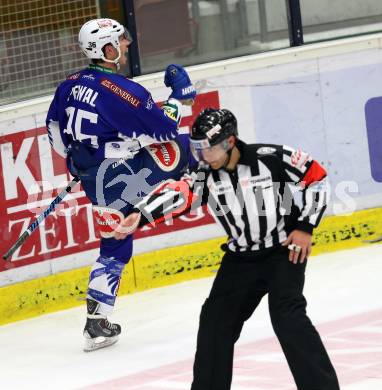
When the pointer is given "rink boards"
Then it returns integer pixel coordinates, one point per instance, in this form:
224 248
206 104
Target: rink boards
322 98
168 266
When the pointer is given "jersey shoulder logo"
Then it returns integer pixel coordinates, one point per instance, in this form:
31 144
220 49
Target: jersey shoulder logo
73 76
88 77
149 103
171 111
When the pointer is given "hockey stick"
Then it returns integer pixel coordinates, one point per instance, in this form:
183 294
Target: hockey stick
34 225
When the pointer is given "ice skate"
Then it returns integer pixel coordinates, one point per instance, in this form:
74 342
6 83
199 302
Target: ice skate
98 332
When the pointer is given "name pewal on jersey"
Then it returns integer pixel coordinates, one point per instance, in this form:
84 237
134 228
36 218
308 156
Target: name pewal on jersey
84 94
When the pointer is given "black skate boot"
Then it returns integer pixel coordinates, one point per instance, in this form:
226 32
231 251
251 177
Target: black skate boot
98 332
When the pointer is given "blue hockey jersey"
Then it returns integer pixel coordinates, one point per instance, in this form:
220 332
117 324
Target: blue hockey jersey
110 114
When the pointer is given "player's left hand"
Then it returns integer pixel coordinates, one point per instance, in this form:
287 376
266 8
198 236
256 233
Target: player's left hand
300 245
177 78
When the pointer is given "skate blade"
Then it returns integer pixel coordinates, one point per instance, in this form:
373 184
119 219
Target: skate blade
98 343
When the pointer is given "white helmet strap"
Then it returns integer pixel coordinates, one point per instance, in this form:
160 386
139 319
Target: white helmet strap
116 60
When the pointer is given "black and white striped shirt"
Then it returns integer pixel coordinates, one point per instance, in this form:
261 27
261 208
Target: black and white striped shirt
254 202
244 202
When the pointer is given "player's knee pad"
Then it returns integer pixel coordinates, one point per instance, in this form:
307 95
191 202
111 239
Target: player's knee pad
104 281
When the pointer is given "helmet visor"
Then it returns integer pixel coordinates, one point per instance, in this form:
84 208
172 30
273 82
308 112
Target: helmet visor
203 151
126 34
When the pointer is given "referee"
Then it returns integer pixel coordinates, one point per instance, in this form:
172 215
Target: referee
247 188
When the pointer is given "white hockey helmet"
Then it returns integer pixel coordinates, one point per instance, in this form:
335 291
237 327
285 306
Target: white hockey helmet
97 33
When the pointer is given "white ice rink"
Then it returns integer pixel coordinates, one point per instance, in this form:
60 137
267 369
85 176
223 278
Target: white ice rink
156 347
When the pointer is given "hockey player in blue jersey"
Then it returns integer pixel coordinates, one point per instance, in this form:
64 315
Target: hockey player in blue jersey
121 145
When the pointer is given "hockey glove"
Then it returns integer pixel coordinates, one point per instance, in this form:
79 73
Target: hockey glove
176 78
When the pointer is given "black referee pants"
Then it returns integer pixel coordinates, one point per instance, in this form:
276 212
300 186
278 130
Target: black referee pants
240 284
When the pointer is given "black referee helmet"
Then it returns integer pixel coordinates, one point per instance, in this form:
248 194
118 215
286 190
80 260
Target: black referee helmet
214 125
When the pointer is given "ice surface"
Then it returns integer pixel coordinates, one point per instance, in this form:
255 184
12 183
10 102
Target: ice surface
156 347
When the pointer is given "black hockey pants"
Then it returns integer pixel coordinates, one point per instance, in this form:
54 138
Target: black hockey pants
240 284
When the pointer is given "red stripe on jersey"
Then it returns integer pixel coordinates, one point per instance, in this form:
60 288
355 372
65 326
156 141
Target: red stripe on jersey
315 173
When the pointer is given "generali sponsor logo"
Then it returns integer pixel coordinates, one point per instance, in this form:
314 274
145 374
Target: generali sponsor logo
31 176
121 92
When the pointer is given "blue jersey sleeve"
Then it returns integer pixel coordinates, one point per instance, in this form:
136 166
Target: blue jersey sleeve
130 109
57 139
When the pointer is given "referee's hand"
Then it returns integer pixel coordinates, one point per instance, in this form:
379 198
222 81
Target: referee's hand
300 245
128 226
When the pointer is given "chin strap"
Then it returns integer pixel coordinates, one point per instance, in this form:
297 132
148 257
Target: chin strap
116 61
228 159
233 156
